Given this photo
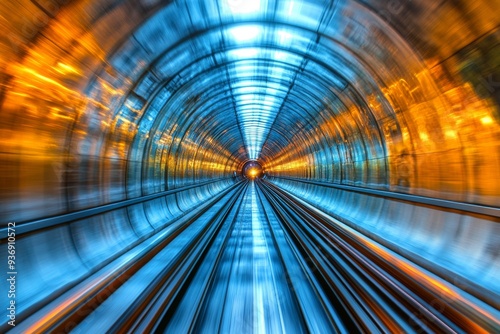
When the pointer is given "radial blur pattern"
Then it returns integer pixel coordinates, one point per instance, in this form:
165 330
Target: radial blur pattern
120 119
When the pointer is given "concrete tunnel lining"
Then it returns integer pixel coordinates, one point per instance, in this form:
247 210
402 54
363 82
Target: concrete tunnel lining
347 92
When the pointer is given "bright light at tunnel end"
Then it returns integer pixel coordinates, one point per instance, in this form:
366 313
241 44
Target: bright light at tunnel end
252 170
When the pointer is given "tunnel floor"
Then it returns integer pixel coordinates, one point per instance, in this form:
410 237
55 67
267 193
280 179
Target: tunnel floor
259 260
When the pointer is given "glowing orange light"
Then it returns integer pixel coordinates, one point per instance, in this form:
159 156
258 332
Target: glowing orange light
487 120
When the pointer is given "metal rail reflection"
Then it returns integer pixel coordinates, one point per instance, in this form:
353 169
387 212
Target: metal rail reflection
257 259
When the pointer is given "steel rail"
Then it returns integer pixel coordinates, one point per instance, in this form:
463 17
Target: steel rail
84 297
407 281
150 311
436 202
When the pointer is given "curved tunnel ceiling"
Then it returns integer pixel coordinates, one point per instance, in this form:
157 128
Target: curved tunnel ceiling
295 84
106 101
255 67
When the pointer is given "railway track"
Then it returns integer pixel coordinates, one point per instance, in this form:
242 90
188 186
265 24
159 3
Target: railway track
382 290
257 259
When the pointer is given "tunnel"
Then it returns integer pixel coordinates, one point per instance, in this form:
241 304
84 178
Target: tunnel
252 169
250 166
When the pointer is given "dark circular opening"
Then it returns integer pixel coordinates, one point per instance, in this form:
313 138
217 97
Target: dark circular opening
252 170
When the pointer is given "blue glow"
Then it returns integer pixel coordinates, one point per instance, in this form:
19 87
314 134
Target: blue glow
245 33
243 6
258 100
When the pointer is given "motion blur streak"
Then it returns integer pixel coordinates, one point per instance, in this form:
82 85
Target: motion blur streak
250 166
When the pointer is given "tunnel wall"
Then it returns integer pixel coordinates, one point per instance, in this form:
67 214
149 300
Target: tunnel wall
427 125
84 123
407 114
